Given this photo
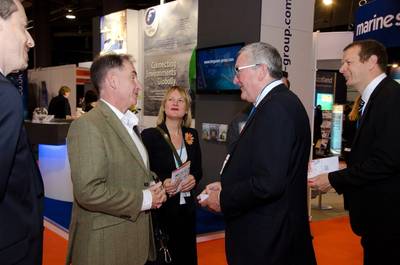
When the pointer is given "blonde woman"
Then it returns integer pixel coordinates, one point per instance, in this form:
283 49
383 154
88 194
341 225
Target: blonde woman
177 215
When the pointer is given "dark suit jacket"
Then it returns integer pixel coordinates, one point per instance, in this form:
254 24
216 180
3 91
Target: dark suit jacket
178 220
21 186
371 182
264 186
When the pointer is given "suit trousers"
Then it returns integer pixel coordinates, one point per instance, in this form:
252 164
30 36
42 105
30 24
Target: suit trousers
35 252
381 249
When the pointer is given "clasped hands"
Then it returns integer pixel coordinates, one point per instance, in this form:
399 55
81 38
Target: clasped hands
209 197
158 195
172 187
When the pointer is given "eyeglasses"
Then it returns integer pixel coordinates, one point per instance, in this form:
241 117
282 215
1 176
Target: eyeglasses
240 68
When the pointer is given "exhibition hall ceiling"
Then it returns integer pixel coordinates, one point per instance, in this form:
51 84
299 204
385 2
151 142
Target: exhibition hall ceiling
71 40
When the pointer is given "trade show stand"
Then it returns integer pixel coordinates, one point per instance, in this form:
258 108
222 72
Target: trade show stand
54 166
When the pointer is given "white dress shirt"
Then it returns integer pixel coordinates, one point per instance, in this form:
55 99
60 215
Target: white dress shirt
370 89
266 90
129 120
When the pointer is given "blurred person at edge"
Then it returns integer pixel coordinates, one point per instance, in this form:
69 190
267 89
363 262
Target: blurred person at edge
21 185
263 190
178 215
370 183
110 222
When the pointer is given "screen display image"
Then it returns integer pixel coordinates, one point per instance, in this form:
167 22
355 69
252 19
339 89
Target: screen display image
215 68
395 73
325 100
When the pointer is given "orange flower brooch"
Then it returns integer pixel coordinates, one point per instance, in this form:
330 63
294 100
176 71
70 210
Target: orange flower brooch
189 138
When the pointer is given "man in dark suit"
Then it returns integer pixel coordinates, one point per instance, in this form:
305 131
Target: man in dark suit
370 183
263 188
21 186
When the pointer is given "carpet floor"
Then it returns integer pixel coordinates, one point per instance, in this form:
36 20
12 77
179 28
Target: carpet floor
334 244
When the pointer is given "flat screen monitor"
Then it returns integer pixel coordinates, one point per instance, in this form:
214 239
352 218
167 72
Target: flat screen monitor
395 73
215 69
325 100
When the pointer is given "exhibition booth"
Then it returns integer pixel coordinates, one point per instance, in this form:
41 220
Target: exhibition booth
185 42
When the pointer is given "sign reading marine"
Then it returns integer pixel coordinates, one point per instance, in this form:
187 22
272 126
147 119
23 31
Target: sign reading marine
379 20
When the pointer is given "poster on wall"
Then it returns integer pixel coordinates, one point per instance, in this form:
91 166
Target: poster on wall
113 33
214 132
170 38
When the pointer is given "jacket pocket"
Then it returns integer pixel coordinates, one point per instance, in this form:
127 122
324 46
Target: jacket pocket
104 221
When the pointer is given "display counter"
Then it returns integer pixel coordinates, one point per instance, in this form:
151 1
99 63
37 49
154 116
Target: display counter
53 133
54 167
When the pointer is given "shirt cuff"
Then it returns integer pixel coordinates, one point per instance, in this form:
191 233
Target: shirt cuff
147 200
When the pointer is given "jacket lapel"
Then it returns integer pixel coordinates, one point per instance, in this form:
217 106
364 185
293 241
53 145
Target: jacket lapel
368 107
251 118
171 156
121 131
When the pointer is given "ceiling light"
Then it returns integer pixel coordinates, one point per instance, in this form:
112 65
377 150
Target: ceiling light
70 15
395 65
327 2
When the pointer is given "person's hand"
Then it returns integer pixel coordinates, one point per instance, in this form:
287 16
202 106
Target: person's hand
188 183
211 192
215 186
170 186
158 195
320 182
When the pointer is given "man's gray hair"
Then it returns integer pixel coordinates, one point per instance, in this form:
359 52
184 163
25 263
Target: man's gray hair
264 53
7 7
103 63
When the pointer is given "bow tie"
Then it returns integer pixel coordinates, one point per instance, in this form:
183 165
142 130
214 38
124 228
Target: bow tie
129 119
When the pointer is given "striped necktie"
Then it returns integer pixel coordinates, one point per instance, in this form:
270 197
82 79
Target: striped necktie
251 113
360 111
360 108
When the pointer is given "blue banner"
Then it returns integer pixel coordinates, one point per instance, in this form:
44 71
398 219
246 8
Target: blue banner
379 20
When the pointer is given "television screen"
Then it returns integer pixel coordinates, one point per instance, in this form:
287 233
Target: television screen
325 100
215 69
395 73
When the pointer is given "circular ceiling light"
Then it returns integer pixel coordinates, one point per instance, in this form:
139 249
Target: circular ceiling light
327 2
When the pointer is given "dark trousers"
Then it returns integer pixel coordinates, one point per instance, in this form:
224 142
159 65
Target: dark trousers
381 250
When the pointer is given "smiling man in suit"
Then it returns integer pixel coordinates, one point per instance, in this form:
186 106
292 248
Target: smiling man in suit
263 188
110 221
21 186
370 183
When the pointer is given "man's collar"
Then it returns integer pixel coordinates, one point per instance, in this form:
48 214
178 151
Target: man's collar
371 87
128 118
266 89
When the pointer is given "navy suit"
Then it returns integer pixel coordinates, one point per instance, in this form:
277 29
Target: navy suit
264 186
371 182
21 186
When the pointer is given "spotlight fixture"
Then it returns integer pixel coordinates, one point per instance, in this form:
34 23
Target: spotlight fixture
395 65
70 14
327 2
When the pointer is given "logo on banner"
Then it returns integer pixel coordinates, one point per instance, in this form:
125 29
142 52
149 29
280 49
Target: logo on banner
380 22
151 22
